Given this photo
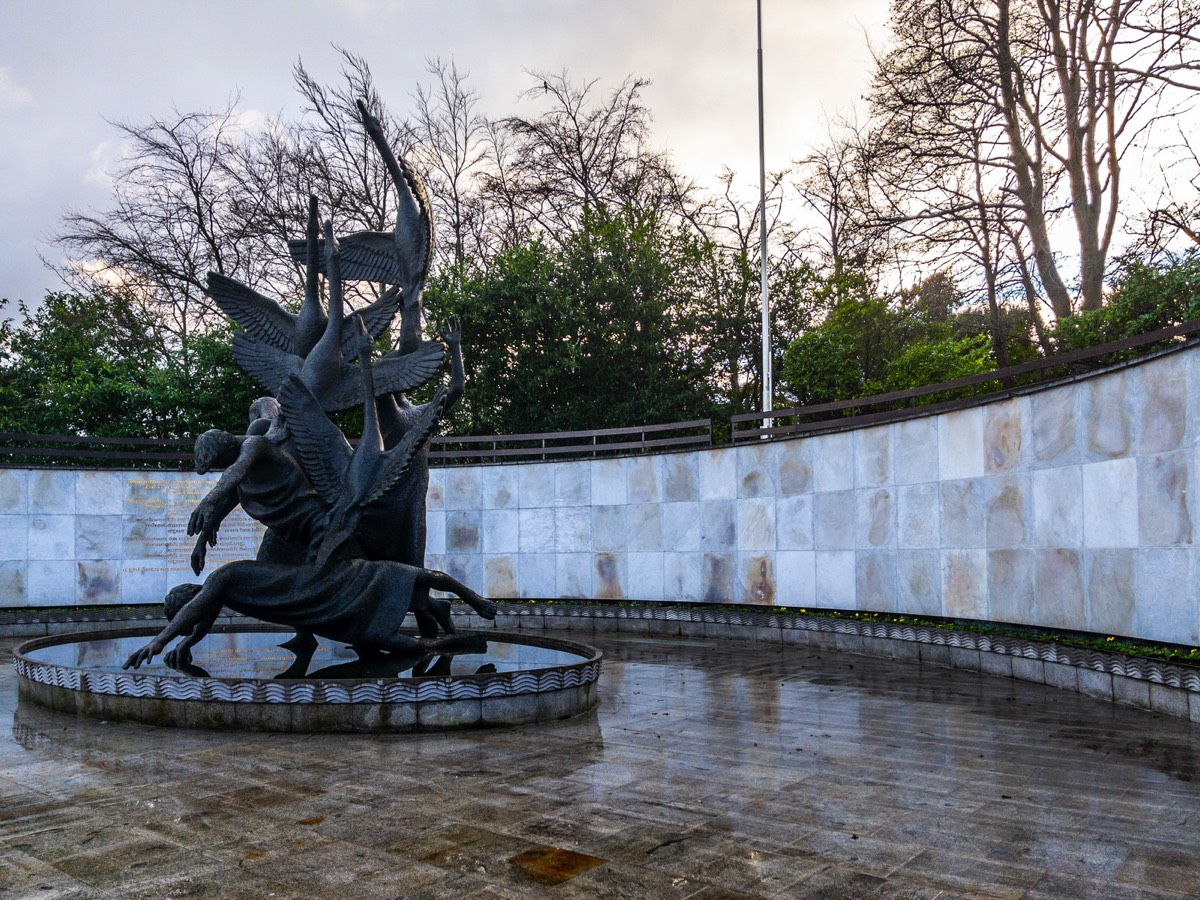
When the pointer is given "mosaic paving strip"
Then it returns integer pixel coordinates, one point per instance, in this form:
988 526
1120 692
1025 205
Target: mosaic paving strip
1112 663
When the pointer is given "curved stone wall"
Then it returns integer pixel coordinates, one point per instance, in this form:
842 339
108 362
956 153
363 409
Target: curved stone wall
1067 508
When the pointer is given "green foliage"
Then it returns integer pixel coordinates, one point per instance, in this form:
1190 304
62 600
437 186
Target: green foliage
939 357
96 365
601 333
1146 297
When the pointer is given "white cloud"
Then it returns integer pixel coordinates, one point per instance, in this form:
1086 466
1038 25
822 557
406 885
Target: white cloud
11 93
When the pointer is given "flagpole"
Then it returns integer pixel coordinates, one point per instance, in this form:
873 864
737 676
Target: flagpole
762 245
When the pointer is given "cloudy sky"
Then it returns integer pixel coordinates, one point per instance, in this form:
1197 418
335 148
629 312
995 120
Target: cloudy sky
66 68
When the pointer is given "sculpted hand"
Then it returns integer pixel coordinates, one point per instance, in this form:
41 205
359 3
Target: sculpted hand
452 332
201 551
143 655
179 657
201 519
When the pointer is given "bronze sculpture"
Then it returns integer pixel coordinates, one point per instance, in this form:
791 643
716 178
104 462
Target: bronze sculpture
343 556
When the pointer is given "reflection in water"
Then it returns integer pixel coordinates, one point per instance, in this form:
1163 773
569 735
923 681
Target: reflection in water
260 655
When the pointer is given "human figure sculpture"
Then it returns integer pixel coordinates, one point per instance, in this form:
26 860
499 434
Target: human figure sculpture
344 552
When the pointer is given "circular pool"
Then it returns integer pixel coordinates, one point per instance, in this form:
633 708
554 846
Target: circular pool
257 678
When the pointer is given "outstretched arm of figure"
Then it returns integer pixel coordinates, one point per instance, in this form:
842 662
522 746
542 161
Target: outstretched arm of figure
205 606
210 512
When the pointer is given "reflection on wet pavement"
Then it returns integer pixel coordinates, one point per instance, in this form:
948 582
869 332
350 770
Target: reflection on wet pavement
710 769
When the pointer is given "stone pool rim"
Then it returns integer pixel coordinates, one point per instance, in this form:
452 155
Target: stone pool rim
414 703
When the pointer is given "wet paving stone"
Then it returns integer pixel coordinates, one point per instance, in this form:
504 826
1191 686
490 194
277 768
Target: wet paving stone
710 769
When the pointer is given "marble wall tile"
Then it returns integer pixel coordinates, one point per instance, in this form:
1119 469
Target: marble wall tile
97 537
645 528
435 493
965 584
435 532
499 487
1053 428
573 483
755 470
1106 417
919 516
536 575
1007 510
873 457
501 530
463 527
960 444
51 582
146 495
51 537
1166 608
717 577
756 578
646 576
536 530
796 579
14 491
833 461
756 523
573 575
1110 503
645 476
1004 443
876 519
535 485
100 493
683 576
1010 578
1165 516
1161 395
1058 600
681 477
97 581
466 567
52 491
919 582
1057 507
794 522
834 520
718 474
1111 591
14 537
610 576
573 529
610 527
12 582
875 575
794 466
916 450
964 518
610 481
718 529
837 582
500 576
681 526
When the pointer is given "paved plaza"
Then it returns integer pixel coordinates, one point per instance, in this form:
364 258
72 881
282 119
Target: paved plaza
710 769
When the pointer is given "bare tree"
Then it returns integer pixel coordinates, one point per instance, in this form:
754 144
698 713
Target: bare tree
1073 85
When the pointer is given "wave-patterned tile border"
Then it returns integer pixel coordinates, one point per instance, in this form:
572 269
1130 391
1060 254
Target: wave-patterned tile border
1139 668
330 692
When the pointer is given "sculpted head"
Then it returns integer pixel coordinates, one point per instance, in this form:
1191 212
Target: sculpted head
177 598
216 449
264 408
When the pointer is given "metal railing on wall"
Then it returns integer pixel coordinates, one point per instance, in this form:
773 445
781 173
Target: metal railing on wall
48 450
959 393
